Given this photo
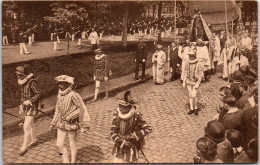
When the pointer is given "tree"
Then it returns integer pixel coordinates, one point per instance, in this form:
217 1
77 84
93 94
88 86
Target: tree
124 26
64 12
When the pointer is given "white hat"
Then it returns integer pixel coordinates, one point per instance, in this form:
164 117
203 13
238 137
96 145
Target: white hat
65 78
192 53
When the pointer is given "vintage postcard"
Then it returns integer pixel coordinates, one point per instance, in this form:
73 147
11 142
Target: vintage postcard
129 81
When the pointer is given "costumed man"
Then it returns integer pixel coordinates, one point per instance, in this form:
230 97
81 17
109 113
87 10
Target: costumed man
224 60
158 60
4 34
201 54
239 60
140 58
94 40
68 30
55 40
70 115
175 60
22 39
30 96
101 72
216 51
207 62
192 78
128 131
184 56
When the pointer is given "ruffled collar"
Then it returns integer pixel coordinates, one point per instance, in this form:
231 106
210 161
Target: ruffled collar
125 110
99 56
66 91
23 81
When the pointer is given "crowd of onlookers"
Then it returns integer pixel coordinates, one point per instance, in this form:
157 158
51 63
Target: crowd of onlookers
232 135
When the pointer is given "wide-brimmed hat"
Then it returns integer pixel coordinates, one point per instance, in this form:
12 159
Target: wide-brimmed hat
19 70
215 131
65 78
237 75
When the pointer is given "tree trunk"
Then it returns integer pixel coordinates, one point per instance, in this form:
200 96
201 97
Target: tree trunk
124 26
159 21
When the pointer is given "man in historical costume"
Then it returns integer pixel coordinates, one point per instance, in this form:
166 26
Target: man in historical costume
101 72
140 58
68 30
4 34
158 60
22 39
175 60
222 39
223 60
202 55
216 51
94 40
128 131
30 96
55 40
184 56
207 62
192 78
70 115
239 60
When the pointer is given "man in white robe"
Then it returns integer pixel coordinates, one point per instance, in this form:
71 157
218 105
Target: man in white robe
158 60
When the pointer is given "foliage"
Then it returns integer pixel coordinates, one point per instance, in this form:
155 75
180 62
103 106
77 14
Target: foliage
63 12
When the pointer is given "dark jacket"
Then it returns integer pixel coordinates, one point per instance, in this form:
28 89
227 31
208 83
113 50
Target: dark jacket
236 90
141 52
250 131
174 58
234 120
243 100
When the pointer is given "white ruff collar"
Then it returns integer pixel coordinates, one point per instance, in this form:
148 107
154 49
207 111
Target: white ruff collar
126 116
99 57
66 91
22 82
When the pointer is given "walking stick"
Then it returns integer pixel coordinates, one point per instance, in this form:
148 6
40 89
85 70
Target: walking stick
13 115
144 156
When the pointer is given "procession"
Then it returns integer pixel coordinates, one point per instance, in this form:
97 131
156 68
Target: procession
166 82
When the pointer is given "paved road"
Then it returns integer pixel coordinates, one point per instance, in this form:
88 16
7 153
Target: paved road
164 107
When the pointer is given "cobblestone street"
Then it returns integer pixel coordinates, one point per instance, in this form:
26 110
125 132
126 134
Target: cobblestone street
165 107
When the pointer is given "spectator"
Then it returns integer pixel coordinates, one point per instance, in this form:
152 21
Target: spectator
250 121
216 132
233 118
236 139
236 85
206 151
248 91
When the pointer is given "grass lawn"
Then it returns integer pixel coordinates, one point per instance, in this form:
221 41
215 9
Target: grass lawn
80 66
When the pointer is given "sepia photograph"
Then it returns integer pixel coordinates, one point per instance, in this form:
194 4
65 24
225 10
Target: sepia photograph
129 81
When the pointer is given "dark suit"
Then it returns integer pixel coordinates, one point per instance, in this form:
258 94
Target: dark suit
141 54
174 60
